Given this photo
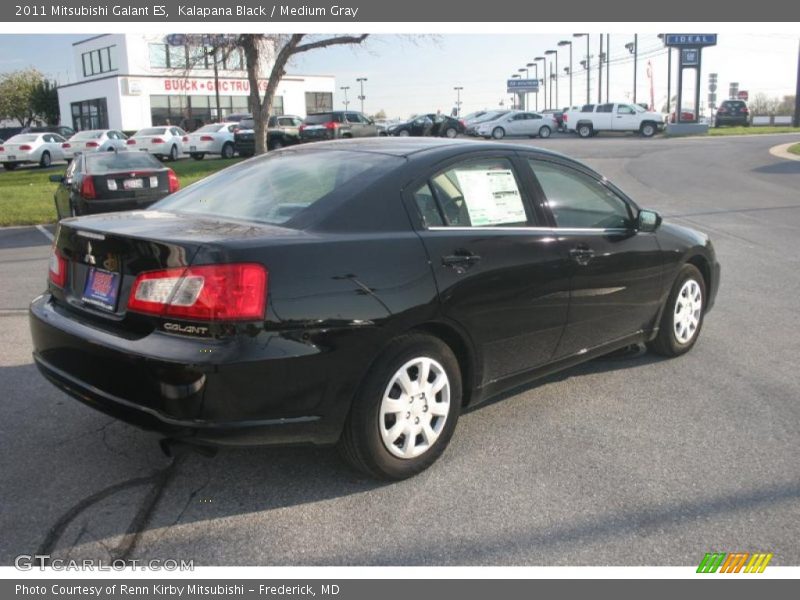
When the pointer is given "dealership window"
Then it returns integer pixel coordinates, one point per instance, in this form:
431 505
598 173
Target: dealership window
90 114
192 112
318 102
99 61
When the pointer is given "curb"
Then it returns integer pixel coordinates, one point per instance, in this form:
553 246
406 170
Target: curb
782 151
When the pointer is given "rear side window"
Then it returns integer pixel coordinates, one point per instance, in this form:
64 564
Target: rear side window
587 108
579 201
605 108
280 186
476 193
428 209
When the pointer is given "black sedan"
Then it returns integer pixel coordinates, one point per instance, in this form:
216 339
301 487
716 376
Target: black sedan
429 125
109 181
361 293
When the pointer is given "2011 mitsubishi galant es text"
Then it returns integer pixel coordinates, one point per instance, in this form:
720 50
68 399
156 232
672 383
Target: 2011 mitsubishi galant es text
361 292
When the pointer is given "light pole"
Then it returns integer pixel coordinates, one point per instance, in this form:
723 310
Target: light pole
554 75
586 64
543 79
600 60
524 95
633 48
458 89
536 75
362 97
344 88
608 66
515 98
568 43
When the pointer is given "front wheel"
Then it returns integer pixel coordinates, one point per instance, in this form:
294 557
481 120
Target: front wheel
648 130
406 410
403 133
683 314
544 132
499 133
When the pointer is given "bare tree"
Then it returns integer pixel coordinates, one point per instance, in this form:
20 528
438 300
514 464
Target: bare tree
262 49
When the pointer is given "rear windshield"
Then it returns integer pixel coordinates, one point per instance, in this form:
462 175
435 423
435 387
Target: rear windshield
734 103
151 131
87 135
279 186
247 124
321 118
19 139
108 162
210 128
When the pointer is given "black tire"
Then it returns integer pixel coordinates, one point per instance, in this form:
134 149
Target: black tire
361 443
648 129
276 145
450 132
228 150
246 154
46 160
198 155
10 166
544 132
404 133
666 342
498 133
585 131
173 153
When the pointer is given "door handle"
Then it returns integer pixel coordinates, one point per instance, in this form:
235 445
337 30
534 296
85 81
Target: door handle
460 260
581 254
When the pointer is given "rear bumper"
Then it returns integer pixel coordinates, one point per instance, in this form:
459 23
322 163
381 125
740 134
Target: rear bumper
194 389
91 207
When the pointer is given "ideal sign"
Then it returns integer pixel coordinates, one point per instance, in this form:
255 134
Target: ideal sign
692 40
522 85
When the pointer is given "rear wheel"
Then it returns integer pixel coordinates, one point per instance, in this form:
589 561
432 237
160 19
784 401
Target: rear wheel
45 160
406 410
683 314
584 130
450 132
498 133
227 150
276 145
403 133
173 153
544 132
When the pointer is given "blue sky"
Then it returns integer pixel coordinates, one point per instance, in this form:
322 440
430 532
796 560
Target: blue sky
412 74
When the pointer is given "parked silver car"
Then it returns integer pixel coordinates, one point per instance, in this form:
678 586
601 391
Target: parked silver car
518 123
93 140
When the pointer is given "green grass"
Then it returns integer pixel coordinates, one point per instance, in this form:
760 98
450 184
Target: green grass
26 195
795 149
752 130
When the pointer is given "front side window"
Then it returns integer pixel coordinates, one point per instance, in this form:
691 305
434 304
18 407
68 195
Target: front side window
477 193
579 201
624 109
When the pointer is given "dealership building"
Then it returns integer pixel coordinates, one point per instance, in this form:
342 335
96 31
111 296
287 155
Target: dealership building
127 81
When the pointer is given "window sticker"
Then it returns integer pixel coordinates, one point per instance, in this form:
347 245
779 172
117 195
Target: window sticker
492 197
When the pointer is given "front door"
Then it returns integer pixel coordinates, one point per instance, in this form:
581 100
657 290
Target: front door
615 269
625 118
500 275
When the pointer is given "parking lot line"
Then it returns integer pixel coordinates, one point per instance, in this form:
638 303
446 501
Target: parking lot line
44 232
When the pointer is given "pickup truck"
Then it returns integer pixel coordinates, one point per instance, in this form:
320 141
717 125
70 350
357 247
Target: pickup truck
591 119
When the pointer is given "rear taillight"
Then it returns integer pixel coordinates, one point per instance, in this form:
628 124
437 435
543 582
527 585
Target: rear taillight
332 125
66 145
24 147
174 182
564 118
87 188
745 110
206 138
58 268
2 149
722 109
301 128
185 138
157 141
131 142
206 293
92 144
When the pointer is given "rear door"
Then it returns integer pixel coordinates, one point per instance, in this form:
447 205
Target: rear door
499 272
615 270
356 126
603 117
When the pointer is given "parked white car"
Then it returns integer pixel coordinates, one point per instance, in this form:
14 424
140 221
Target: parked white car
216 138
93 140
591 119
518 123
163 142
42 148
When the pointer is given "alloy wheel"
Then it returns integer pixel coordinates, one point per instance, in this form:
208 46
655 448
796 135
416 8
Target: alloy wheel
688 310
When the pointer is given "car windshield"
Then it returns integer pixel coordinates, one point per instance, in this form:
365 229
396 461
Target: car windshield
214 127
491 116
87 135
20 139
280 185
320 118
110 162
247 124
151 131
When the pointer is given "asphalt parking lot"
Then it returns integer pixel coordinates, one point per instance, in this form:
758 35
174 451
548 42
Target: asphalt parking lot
632 460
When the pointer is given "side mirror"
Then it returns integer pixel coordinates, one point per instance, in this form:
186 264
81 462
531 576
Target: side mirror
649 220
56 178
